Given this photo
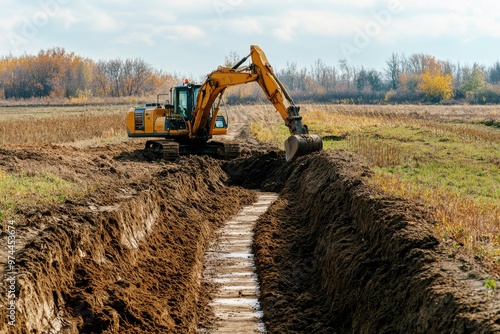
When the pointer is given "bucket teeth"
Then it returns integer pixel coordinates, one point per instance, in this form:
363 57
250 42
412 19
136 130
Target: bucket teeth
231 151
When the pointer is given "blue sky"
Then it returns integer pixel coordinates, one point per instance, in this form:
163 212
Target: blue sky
193 37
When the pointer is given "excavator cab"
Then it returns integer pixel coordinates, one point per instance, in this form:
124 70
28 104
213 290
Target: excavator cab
184 102
220 127
184 99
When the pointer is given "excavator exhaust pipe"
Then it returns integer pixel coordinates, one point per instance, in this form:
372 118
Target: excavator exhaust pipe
298 145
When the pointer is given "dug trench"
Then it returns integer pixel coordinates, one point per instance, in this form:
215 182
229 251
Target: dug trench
332 255
335 256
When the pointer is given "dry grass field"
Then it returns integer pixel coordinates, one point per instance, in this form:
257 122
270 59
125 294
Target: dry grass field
54 125
447 157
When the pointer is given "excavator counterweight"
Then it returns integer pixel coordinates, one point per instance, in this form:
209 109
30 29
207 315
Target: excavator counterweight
189 123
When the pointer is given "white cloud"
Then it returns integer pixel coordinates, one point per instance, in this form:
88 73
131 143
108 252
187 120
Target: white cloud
183 32
67 16
136 39
292 24
245 25
285 32
325 23
440 25
102 22
9 23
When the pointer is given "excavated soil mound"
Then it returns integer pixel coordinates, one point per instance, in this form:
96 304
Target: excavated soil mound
128 257
333 256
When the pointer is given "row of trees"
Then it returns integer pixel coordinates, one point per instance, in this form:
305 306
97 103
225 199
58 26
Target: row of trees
58 73
418 77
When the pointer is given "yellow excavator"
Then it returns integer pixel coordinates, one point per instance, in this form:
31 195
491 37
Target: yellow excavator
189 122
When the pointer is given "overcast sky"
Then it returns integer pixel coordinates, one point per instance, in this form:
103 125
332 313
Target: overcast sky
193 37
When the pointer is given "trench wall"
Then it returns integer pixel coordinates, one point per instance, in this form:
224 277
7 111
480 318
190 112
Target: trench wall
335 256
124 260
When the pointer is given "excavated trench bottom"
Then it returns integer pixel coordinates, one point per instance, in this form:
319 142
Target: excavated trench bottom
229 264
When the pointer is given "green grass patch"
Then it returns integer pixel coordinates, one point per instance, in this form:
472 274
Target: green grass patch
22 191
434 158
273 133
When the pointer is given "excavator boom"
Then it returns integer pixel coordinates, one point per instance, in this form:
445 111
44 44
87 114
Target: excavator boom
261 71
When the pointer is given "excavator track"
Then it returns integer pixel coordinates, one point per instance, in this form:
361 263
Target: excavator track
163 149
170 150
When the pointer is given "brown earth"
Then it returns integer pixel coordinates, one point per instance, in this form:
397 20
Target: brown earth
332 255
126 258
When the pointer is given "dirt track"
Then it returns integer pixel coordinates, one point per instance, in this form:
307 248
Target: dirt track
230 268
332 256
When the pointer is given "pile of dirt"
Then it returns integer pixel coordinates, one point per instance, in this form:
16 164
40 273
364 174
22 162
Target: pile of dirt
333 256
126 258
89 168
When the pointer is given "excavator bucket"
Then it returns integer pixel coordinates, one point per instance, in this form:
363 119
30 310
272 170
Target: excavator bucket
298 145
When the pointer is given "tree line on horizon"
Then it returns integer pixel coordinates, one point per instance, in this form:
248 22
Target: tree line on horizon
57 73
405 79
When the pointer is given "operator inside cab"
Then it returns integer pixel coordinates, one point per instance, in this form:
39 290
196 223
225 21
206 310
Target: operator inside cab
182 103
185 99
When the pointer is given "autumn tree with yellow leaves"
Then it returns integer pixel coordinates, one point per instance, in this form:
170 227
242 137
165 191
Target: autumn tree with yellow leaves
436 86
433 82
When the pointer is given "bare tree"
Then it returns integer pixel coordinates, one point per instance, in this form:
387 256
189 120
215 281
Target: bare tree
232 59
100 84
325 75
393 70
113 70
348 73
290 76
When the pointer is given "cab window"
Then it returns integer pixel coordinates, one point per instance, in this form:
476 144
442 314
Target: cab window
182 102
185 100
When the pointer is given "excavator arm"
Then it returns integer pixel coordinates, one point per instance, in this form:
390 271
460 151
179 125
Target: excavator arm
211 94
276 93
260 70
